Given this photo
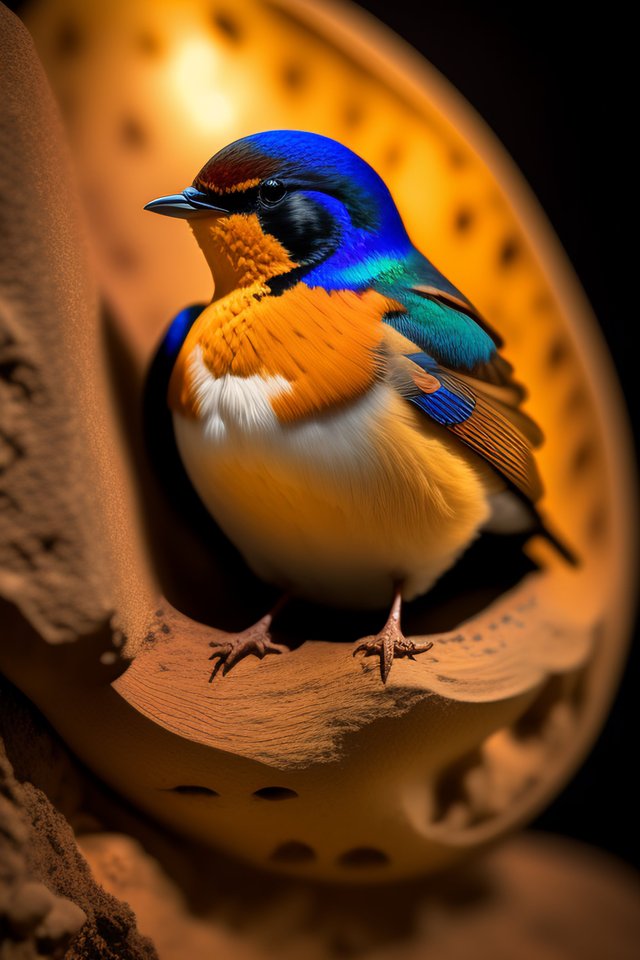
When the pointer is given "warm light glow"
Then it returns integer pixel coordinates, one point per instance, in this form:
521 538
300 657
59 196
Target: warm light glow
150 90
195 75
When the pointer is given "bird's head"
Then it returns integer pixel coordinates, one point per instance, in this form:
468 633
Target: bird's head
285 201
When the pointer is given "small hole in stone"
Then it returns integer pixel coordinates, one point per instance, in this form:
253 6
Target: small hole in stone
123 258
68 39
132 133
294 76
583 457
392 155
543 301
194 790
577 401
457 158
558 353
464 219
353 114
275 793
509 251
228 25
363 857
293 851
148 44
597 523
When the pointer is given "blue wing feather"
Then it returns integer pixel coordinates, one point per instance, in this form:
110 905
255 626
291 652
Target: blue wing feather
443 405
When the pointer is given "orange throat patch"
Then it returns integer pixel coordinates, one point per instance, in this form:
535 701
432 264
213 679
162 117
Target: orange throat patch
238 251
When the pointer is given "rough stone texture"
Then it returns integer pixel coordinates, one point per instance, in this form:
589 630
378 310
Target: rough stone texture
50 905
56 529
533 898
43 273
55 571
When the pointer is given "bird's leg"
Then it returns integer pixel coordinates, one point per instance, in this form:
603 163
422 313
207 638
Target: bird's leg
391 642
256 639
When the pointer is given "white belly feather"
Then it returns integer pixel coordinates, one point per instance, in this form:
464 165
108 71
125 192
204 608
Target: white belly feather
335 507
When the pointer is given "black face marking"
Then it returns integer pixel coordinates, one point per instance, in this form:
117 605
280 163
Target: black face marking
305 228
300 222
302 225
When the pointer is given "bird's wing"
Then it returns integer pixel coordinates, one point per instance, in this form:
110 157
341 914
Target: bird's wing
491 429
451 370
157 417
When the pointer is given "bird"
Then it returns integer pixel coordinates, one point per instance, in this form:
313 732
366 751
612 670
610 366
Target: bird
343 411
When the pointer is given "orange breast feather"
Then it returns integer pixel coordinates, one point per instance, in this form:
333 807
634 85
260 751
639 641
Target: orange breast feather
327 345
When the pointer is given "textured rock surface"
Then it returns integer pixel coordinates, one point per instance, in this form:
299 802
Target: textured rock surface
533 898
50 904
44 551
474 738
55 531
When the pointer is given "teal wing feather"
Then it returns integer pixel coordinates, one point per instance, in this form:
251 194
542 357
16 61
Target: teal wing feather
456 375
436 315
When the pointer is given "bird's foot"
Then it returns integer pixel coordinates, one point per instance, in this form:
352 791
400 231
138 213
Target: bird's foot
256 640
389 644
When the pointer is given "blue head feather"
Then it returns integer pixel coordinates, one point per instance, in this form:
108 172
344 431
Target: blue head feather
371 232
342 219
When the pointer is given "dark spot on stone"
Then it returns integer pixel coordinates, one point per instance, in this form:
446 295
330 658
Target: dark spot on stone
165 628
275 793
227 24
148 43
132 133
353 114
576 401
293 851
542 301
583 457
457 158
598 523
68 39
123 258
294 76
392 155
11 450
194 790
558 353
464 219
365 857
20 377
509 252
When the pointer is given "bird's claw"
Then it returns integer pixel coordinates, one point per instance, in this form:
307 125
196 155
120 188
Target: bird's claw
391 644
255 640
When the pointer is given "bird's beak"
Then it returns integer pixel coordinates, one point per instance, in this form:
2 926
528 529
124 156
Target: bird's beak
188 205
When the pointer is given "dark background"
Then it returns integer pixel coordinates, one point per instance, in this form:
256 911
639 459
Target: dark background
554 88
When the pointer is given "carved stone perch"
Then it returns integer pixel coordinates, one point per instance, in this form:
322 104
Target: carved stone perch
303 763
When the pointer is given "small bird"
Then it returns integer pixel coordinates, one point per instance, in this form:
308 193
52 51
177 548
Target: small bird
341 409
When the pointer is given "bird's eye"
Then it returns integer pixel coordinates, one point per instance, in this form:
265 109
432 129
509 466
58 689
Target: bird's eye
272 192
